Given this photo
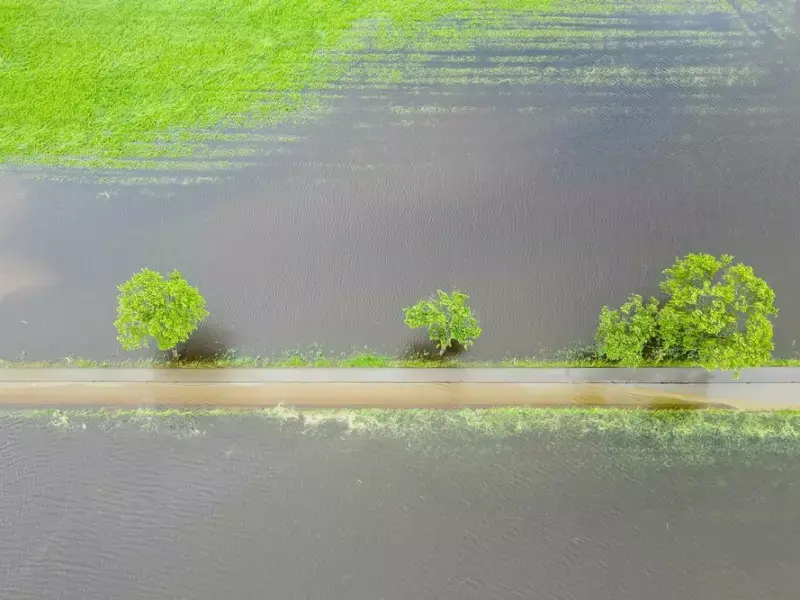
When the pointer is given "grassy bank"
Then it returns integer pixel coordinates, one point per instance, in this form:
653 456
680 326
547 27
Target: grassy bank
356 360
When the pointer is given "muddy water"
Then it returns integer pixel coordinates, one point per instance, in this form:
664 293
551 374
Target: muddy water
215 508
545 179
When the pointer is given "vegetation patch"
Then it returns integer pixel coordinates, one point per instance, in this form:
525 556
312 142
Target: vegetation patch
448 319
83 82
656 424
99 83
716 315
623 435
168 310
365 359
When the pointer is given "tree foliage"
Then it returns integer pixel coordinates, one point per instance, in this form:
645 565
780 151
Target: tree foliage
624 334
717 315
167 310
448 319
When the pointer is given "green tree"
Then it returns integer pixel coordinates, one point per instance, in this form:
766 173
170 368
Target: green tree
718 313
623 335
166 310
448 319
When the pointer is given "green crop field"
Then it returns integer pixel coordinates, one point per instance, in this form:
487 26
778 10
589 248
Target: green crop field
116 83
110 79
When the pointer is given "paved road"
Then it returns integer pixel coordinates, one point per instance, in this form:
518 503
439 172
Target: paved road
775 388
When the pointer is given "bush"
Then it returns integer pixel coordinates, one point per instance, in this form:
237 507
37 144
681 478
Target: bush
448 319
624 335
716 315
150 306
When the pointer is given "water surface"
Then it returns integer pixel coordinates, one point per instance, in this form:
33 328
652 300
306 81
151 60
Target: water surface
244 508
546 166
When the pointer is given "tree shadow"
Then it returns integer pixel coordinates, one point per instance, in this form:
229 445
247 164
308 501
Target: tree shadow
424 349
208 343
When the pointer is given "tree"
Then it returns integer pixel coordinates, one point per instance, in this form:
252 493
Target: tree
718 313
448 319
150 306
623 335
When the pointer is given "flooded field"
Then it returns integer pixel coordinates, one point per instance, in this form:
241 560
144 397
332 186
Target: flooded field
547 164
212 507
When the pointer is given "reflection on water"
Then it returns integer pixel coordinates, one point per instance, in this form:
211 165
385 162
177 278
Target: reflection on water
21 276
11 199
17 274
213 508
546 165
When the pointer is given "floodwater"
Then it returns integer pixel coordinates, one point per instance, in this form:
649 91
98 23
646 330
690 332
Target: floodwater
242 508
546 177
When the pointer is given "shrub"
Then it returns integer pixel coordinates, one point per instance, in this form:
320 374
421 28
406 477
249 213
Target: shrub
150 306
624 334
448 318
718 313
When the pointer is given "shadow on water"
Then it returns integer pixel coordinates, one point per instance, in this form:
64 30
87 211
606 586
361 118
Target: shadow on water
208 342
421 348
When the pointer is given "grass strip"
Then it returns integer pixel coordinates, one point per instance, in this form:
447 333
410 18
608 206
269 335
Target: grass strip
357 360
614 438
659 425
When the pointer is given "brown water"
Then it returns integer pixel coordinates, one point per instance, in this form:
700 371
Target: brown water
546 181
220 508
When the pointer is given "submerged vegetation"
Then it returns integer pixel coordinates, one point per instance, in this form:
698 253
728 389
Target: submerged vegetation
88 83
661 436
657 423
126 85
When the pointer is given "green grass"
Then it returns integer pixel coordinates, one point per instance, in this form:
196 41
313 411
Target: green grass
365 359
89 83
